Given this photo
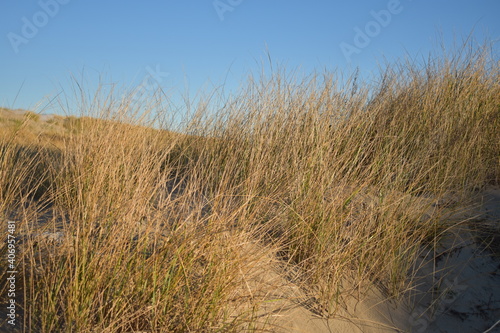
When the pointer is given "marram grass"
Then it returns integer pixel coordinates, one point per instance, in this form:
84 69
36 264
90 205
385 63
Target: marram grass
329 177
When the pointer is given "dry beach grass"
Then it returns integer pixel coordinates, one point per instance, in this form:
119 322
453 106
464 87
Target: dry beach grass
296 195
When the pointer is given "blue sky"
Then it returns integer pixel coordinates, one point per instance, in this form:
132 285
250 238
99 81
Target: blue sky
187 45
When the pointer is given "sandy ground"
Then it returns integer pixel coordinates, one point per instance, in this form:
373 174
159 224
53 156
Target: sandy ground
456 289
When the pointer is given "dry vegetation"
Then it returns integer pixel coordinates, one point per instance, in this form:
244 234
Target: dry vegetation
125 228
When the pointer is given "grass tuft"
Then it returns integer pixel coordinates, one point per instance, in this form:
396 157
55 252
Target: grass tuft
153 226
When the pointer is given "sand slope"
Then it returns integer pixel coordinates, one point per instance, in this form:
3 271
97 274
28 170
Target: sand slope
456 289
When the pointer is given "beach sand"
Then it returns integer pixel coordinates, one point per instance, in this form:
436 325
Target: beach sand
456 288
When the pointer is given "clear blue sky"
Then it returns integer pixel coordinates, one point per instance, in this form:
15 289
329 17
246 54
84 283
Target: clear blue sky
43 43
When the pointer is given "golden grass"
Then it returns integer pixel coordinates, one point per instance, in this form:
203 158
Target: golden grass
328 176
